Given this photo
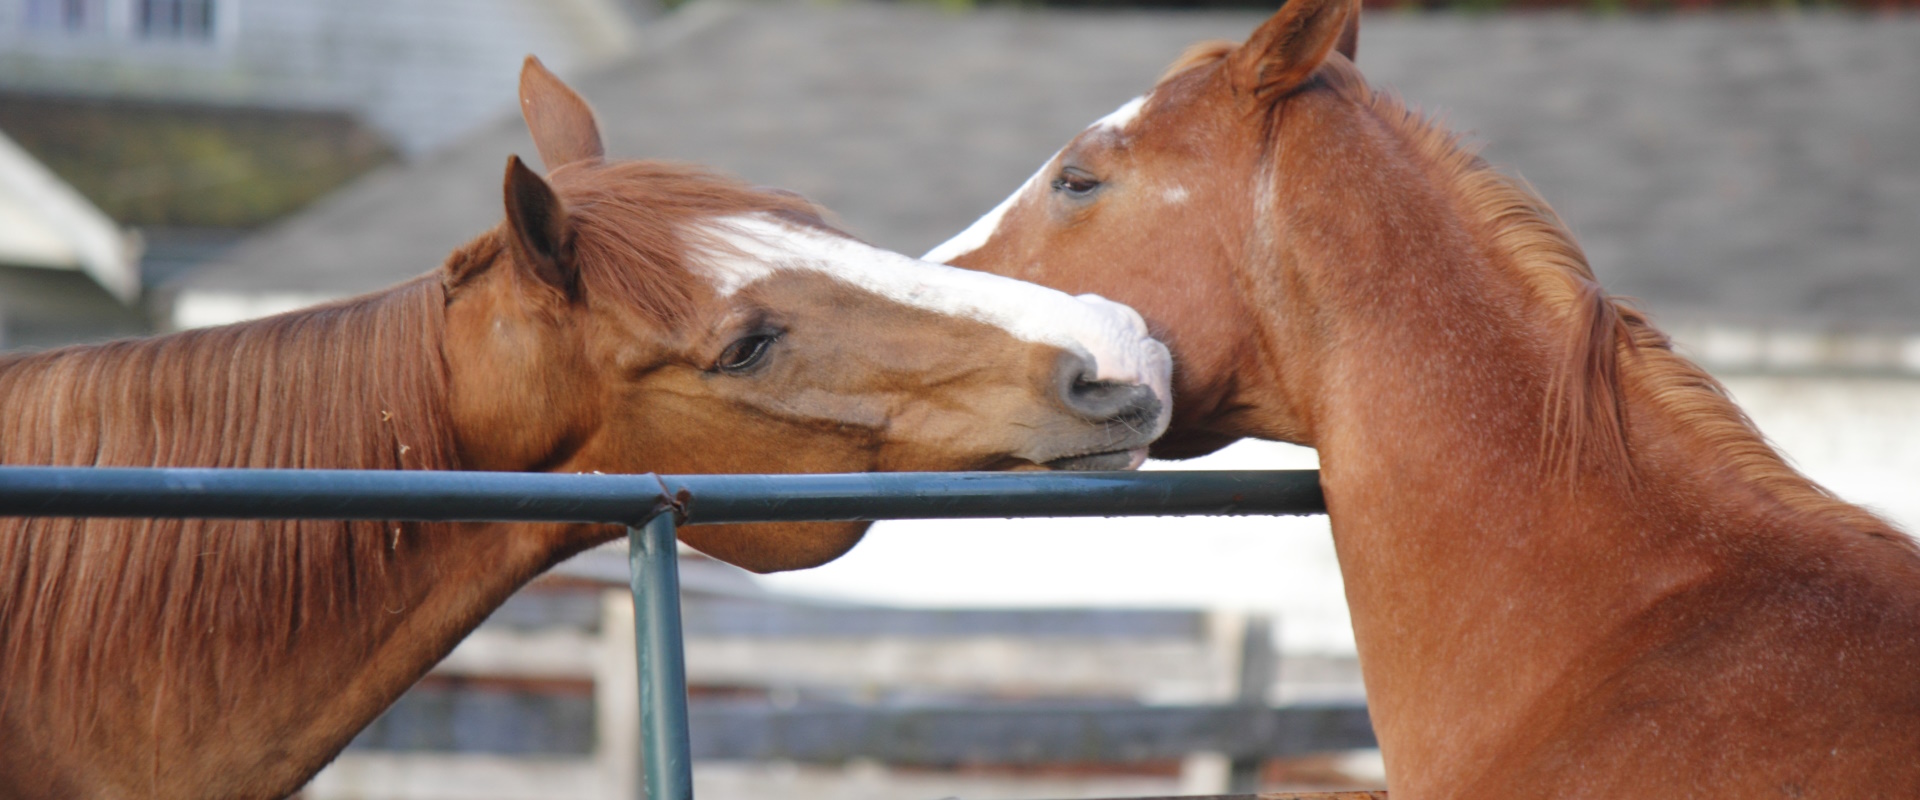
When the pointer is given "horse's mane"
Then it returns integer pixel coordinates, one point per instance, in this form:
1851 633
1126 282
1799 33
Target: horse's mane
1609 343
359 384
1197 55
356 384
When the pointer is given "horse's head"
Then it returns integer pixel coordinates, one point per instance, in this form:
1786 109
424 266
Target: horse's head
1163 204
636 316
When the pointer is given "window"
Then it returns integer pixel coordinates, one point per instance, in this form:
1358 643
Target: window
172 19
71 16
191 21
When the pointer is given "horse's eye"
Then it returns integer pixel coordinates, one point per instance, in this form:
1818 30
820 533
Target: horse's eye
746 353
1076 182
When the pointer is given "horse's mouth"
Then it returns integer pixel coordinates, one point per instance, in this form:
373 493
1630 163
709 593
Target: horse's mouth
1110 460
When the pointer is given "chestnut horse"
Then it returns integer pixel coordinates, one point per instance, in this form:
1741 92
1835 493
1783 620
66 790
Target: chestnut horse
1575 568
626 317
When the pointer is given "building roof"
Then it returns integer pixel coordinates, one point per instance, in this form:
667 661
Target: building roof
1756 171
45 223
147 163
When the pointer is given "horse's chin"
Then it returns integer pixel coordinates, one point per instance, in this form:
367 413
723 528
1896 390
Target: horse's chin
1093 462
1178 446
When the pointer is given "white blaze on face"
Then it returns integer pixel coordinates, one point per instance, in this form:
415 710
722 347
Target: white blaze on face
1112 335
1122 116
982 229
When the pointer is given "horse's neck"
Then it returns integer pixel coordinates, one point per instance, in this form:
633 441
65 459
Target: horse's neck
1498 601
1482 580
1520 613
356 667
324 622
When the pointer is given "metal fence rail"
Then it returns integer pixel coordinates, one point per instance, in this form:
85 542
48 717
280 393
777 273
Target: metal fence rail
633 499
652 507
1071 732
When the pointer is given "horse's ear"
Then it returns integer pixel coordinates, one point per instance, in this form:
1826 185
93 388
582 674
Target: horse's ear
542 241
1285 50
1349 44
562 124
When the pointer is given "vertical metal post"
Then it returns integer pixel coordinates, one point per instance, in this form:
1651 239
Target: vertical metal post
1259 665
654 568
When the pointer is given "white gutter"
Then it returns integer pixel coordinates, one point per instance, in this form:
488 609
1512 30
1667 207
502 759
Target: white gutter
45 223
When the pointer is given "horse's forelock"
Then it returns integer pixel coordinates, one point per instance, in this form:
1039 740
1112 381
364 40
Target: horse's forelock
637 224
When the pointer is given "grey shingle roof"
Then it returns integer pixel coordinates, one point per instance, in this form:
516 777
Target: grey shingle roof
1746 168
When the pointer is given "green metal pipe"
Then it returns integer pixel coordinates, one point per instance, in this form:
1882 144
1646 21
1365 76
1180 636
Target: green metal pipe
654 569
633 499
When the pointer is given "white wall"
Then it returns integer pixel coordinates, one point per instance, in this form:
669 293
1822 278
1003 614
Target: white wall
1285 565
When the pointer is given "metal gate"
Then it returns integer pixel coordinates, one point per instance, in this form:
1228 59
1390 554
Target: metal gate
652 507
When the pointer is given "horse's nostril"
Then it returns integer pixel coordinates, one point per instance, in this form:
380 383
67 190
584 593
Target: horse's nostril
1083 387
1106 401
